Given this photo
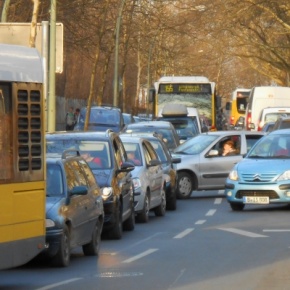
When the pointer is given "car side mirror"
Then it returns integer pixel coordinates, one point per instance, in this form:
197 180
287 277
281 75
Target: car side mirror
176 160
154 162
126 167
213 153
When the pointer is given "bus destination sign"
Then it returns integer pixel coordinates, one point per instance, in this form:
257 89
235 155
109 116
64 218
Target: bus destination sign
184 88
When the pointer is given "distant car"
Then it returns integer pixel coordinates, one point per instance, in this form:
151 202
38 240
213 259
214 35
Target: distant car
282 123
148 178
163 128
106 156
74 208
263 176
202 165
268 127
168 167
101 118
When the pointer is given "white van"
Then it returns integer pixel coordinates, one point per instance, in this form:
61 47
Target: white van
262 97
271 114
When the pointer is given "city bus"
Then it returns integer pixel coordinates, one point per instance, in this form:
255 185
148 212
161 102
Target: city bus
22 162
236 108
192 91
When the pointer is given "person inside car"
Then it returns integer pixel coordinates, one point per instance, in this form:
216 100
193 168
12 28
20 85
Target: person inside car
229 148
132 157
91 159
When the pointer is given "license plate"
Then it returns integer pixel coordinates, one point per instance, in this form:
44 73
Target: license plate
256 199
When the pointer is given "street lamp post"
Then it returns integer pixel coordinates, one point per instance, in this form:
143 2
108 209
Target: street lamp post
116 68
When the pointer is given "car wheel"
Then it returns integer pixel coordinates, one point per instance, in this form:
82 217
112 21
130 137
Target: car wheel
129 224
184 185
237 206
117 231
62 257
93 247
171 203
161 209
143 216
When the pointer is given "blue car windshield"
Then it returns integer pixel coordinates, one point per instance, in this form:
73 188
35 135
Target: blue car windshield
271 146
54 184
196 144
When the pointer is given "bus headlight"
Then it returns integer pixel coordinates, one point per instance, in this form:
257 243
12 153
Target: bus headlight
234 175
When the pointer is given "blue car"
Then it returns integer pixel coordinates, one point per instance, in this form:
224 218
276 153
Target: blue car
263 176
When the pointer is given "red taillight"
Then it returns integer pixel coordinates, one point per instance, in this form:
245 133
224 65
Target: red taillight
232 120
249 120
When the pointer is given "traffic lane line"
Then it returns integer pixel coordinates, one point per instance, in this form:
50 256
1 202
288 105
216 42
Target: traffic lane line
184 233
243 233
51 286
141 255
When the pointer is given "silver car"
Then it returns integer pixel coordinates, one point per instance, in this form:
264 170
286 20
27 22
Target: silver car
148 178
202 165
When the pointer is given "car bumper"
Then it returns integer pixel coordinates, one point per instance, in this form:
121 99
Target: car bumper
110 209
276 192
53 240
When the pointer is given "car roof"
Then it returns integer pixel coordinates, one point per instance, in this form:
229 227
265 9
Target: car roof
89 135
280 131
159 124
234 132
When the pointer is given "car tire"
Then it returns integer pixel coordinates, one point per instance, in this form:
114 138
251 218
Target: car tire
129 224
171 203
62 257
184 185
237 206
161 209
117 231
93 247
143 216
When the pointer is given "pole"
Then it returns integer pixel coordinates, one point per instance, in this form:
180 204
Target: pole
52 66
116 68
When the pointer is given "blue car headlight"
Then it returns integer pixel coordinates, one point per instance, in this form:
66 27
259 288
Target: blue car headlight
49 223
284 176
233 175
107 192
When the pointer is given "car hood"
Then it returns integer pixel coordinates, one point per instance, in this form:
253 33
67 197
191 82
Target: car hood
51 202
250 165
103 177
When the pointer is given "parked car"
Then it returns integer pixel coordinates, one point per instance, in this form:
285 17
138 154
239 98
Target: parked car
74 208
282 123
168 167
163 128
263 176
106 156
148 179
202 165
101 119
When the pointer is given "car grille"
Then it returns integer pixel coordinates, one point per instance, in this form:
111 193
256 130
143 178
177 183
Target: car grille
270 193
255 177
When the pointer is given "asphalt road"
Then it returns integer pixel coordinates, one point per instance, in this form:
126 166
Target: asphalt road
201 245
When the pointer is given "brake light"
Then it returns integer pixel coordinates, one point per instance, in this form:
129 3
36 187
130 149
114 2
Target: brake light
249 120
232 120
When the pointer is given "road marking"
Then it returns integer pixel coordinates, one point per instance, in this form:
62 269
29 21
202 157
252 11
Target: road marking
276 230
58 284
243 233
211 212
146 253
183 234
218 200
200 222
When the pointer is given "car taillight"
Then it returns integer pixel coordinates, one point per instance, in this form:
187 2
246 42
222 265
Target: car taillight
249 120
232 120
